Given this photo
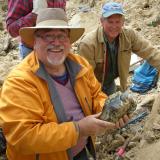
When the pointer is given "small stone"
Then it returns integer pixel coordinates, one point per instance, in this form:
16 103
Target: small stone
149 136
156 126
115 144
136 138
132 145
3 53
146 5
119 137
1 25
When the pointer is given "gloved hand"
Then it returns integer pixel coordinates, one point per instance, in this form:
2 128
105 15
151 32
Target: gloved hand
38 5
117 106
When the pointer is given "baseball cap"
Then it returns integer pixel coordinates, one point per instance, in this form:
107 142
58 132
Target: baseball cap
112 8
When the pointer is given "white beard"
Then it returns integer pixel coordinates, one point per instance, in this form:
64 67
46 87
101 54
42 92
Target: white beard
56 62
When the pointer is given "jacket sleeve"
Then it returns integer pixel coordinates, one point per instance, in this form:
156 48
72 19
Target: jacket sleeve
145 49
98 97
30 125
89 90
19 15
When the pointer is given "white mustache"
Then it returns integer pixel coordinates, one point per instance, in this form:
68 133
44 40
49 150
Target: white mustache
55 47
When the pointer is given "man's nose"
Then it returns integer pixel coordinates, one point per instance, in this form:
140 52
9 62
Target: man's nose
56 41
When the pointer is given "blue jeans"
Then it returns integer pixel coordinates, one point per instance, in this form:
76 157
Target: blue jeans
110 88
24 50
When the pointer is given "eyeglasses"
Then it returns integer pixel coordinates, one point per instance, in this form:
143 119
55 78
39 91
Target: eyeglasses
51 38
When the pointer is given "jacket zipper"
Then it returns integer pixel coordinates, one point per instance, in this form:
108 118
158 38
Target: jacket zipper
90 108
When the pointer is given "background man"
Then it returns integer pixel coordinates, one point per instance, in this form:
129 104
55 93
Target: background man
108 48
22 13
49 102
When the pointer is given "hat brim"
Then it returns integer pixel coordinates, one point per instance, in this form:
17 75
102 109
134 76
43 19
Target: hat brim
108 14
27 33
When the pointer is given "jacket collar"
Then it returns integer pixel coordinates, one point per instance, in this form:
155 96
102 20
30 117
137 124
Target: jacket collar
100 34
73 69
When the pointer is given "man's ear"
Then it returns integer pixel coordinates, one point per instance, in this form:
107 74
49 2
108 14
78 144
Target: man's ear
34 46
101 20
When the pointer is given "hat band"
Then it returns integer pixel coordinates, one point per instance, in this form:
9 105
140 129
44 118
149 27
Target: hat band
52 23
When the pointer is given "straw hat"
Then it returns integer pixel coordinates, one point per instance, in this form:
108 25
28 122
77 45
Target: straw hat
50 18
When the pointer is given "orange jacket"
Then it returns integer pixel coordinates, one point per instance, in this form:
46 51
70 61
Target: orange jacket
28 117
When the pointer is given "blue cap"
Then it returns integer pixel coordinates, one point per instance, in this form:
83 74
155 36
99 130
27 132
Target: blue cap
112 8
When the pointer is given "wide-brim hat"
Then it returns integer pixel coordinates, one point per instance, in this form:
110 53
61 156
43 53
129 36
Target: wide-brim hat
50 18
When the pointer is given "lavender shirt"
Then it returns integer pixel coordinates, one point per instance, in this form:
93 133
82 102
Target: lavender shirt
72 109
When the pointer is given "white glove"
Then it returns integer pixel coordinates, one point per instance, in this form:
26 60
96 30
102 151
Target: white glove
38 5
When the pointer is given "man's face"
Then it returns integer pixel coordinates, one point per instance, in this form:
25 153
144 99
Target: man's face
112 26
52 46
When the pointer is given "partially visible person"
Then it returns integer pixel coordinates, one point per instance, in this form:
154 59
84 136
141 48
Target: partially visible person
108 48
23 13
51 102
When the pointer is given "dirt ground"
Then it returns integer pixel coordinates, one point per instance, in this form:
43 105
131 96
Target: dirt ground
143 16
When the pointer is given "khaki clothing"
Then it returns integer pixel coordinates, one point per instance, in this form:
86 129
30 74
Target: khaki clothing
92 47
28 116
